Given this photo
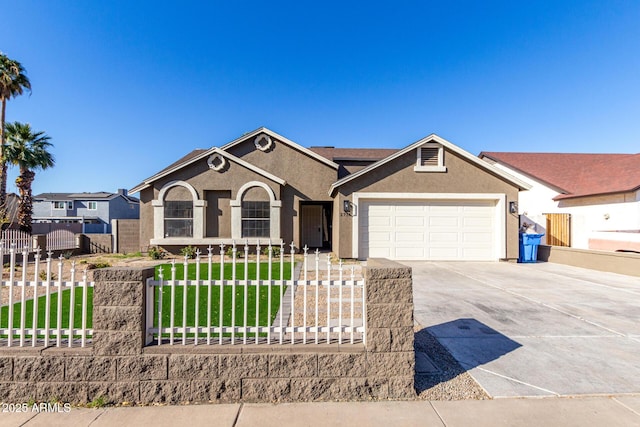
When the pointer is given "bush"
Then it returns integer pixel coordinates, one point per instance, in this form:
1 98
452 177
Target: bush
156 252
188 251
276 251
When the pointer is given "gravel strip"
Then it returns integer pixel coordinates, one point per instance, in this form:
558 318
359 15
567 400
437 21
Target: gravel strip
450 381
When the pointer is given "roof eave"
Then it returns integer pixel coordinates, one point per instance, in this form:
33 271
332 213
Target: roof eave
450 146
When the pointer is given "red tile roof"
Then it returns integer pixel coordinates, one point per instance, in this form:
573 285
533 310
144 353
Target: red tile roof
576 175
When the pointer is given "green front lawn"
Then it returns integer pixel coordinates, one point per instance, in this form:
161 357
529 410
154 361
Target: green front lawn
265 318
53 313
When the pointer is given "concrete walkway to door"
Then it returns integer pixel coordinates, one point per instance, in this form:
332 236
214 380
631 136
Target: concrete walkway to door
534 329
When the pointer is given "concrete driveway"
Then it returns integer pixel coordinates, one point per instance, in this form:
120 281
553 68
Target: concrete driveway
534 329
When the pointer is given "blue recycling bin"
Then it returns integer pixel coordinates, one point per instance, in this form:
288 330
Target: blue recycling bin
529 247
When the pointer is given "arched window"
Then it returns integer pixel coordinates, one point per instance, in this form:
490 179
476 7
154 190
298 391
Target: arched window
178 212
255 212
178 218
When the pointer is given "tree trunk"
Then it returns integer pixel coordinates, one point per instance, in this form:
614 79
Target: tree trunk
25 205
3 165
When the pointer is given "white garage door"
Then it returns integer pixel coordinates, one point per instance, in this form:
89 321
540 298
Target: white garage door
427 230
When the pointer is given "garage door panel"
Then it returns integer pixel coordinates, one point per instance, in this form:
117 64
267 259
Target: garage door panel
402 237
428 229
409 221
443 210
444 254
379 237
443 237
474 221
484 238
443 221
379 221
410 253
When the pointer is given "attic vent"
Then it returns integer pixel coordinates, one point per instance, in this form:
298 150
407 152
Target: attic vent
429 156
216 162
263 142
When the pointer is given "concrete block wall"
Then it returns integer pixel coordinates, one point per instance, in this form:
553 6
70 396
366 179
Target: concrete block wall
126 235
121 368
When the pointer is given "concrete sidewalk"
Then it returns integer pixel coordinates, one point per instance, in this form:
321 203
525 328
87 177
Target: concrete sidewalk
576 411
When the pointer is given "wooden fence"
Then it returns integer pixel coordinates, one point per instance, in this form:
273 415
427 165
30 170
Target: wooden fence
558 229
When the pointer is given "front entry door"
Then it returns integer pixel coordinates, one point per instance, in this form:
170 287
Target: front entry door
312 226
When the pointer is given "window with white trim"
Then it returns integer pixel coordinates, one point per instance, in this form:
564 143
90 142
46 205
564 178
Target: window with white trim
430 158
92 206
178 218
62 205
256 219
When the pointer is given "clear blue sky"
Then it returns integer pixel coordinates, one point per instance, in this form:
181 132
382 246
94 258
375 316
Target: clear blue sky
124 88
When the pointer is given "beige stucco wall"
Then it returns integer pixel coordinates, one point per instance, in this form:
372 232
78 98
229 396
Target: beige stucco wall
398 176
306 179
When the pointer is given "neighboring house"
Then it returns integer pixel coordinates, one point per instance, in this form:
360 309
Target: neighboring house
586 201
86 212
431 200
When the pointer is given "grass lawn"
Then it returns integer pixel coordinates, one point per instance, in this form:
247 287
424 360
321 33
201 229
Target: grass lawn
53 313
264 317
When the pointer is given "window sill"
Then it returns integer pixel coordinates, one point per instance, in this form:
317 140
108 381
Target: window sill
429 168
184 241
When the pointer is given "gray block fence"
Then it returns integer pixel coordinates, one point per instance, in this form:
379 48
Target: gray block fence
120 368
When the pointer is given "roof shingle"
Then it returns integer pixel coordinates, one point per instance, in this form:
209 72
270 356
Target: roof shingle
576 174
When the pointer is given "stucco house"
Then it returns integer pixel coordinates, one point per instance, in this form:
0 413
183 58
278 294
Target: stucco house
83 212
585 201
430 200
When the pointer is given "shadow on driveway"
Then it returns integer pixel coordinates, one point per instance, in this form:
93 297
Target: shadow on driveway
445 351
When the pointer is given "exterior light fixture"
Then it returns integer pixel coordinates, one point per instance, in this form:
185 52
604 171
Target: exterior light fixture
513 207
346 206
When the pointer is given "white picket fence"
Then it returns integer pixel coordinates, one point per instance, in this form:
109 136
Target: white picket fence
50 322
324 308
15 238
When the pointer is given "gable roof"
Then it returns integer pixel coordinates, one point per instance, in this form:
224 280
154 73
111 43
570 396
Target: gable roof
447 145
281 139
201 154
576 174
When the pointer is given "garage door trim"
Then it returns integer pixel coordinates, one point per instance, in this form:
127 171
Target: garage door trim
500 212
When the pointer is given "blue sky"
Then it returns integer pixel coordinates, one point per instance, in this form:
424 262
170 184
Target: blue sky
124 88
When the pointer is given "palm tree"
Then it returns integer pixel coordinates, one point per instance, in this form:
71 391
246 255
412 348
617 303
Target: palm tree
13 82
28 150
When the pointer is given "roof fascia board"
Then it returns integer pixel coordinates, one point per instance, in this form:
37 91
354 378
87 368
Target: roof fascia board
446 144
283 139
147 182
205 154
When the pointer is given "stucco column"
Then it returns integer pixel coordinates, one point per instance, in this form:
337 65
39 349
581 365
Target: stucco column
274 218
236 219
199 218
158 219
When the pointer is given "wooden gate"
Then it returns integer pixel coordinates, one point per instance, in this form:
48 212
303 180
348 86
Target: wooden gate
558 229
